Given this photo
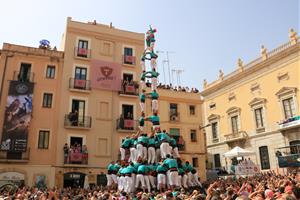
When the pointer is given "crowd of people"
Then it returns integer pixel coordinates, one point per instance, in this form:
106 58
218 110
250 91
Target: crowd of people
267 185
75 153
179 88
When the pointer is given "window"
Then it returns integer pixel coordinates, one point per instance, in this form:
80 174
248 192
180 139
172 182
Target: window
43 139
128 56
82 50
288 107
192 110
234 124
47 100
25 72
259 117
264 157
195 162
212 106
50 71
217 161
214 130
193 136
80 73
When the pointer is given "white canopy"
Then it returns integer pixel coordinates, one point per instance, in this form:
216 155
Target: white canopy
238 152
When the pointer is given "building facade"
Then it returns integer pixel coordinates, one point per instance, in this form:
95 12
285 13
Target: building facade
255 107
30 90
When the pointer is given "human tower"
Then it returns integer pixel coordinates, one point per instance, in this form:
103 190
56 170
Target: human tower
150 161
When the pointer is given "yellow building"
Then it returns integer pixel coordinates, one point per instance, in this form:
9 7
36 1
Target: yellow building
64 117
29 105
246 108
108 116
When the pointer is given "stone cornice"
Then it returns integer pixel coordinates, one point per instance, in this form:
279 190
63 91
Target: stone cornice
258 65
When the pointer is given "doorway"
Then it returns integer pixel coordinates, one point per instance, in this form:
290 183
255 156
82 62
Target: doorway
74 180
76 141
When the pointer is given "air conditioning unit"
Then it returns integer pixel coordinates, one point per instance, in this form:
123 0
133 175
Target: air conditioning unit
174 118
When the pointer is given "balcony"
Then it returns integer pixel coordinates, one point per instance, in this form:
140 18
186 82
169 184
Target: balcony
128 60
239 136
78 84
289 156
131 88
28 77
82 52
76 158
14 157
174 116
126 125
77 122
290 123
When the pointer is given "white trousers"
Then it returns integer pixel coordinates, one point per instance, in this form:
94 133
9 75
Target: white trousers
133 154
164 149
185 181
141 151
109 179
154 105
158 155
153 83
121 183
190 179
176 153
151 155
173 178
153 64
152 181
122 150
161 180
140 179
143 85
147 183
142 104
179 181
128 184
196 180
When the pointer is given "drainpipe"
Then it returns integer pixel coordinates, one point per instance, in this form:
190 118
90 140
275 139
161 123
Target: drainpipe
3 75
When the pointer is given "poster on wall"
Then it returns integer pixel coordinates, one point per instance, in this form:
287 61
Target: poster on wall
105 75
17 116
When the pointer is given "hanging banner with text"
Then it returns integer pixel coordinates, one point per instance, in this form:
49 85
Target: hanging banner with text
105 75
17 116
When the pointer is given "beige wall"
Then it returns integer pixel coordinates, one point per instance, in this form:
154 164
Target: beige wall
261 81
42 118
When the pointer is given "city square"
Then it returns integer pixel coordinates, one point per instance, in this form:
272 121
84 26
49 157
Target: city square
138 109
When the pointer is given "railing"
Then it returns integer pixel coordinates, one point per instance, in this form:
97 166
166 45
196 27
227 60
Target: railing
131 88
76 158
29 77
8 156
74 121
128 60
174 116
288 156
82 52
127 124
236 136
256 61
79 84
291 122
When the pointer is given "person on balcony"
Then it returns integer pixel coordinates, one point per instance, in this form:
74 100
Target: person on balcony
121 121
66 153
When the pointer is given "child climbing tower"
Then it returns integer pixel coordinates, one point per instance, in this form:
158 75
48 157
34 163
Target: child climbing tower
149 55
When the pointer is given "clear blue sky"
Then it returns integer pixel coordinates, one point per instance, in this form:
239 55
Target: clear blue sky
205 35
